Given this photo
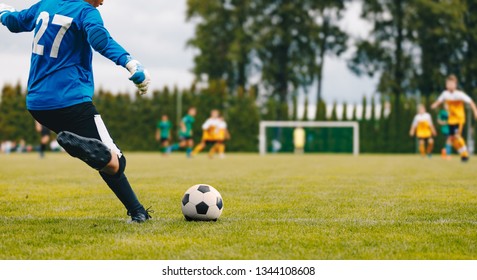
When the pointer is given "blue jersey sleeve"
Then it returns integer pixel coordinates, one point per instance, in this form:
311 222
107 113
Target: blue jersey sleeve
100 39
23 21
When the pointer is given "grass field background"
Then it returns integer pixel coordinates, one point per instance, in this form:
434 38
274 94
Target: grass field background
276 207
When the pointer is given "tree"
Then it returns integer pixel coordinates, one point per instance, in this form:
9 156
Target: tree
334 112
305 109
388 50
282 34
440 42
470 42
243 115
15 122
364 131
328 37
295 107
320 114
222 39
344 113
354 116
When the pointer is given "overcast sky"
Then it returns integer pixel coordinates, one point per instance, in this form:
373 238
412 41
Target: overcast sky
155 32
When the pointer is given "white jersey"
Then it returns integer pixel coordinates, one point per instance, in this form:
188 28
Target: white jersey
420 118
455 102
209 129
221 124
423 124
210 123
454 96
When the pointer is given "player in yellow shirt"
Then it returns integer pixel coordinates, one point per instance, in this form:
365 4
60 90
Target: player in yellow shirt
221 136
299 140
209 132
424 129
456 100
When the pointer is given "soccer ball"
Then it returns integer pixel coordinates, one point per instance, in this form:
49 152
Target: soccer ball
202 203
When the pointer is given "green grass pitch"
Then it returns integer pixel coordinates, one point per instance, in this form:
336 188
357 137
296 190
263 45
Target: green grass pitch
276 207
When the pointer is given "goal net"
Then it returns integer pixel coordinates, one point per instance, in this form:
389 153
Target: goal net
308 137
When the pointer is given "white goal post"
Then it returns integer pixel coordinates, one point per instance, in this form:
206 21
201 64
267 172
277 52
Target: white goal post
345 124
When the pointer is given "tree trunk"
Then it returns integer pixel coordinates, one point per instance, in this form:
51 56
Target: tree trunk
282 75
321 57
399 71
470 61
243 57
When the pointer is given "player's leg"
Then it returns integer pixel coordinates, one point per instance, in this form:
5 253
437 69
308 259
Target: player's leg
165 146
174 147
213 149
459 142
190 146
430 146
448 146
422 147
199 148
43 144
82 134
461 147
44 140
113 172
221 150
89 148
217 148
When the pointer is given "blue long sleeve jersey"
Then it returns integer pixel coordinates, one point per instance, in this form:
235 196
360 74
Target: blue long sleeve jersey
61 73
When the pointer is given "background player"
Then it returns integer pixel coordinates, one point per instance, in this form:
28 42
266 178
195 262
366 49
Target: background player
45 134
223 135
423 128
456 100
185 133
61 85
443 120
163 132
299 140
209 133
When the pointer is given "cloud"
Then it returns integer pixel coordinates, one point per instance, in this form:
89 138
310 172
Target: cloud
155 32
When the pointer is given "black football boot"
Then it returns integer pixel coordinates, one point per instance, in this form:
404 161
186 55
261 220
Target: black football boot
141 215
92 151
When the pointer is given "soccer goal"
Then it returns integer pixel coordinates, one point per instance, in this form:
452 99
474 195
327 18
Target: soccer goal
333 137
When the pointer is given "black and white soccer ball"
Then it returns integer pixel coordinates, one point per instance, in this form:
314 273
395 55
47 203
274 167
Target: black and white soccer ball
202 203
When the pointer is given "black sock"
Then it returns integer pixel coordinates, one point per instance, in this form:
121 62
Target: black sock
119 184
123 190
42 149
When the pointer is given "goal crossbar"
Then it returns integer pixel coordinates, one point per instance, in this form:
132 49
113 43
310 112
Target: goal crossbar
345 124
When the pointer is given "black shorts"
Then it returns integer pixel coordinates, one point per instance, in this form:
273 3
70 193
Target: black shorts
82 119
164 140
455 129
45 131
185 138
210 142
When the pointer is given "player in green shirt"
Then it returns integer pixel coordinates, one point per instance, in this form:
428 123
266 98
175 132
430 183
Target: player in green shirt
185 133
163 132
443 119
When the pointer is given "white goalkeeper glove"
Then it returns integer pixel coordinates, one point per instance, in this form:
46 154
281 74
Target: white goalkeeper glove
4 9
139 76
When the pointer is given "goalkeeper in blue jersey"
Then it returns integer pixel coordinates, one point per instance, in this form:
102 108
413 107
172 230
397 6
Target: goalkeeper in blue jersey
61 86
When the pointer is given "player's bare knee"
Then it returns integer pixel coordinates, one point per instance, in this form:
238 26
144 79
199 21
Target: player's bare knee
116 166
121 165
